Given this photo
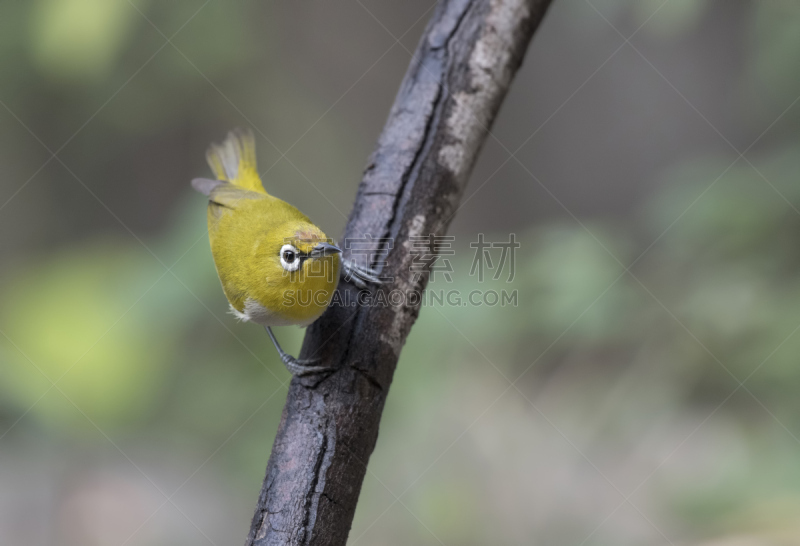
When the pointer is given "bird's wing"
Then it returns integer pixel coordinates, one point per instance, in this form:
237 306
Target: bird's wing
224 194
229 196
206 185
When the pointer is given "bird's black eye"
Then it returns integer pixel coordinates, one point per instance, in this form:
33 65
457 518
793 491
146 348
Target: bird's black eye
291 260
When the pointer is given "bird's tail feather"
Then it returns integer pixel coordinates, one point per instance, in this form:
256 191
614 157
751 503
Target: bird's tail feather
234 160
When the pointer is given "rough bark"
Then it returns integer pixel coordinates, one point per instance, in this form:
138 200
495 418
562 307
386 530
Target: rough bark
412 186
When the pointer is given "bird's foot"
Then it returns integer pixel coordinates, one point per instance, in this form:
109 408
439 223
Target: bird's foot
359 276
297 367
303 367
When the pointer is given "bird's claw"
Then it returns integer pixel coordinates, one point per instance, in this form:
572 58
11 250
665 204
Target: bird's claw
296 366
359 276
303 367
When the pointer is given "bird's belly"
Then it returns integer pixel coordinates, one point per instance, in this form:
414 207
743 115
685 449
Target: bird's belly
255 312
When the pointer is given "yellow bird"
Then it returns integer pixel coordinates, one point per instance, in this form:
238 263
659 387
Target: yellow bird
276 267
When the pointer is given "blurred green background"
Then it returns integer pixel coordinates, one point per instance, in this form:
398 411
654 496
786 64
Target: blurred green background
613 406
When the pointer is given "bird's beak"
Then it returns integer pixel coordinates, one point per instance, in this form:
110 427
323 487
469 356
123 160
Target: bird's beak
324 249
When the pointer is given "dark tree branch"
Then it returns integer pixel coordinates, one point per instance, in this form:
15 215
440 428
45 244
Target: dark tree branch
412 186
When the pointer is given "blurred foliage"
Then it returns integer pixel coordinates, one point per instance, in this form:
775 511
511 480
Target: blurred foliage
657 352
55 309
79 39
776 51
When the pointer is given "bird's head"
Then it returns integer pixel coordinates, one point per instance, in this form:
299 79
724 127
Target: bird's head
302 254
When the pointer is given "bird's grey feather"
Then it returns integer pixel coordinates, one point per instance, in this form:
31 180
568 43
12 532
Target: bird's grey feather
206 185
229 195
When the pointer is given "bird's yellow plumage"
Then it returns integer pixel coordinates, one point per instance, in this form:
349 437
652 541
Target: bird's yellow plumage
248 228
275 265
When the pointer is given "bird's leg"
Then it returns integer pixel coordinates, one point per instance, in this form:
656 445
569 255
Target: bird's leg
295 366
358 275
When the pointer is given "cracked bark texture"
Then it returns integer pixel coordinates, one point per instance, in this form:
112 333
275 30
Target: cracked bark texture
412 186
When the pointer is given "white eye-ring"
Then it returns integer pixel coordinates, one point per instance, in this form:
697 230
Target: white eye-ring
290 258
